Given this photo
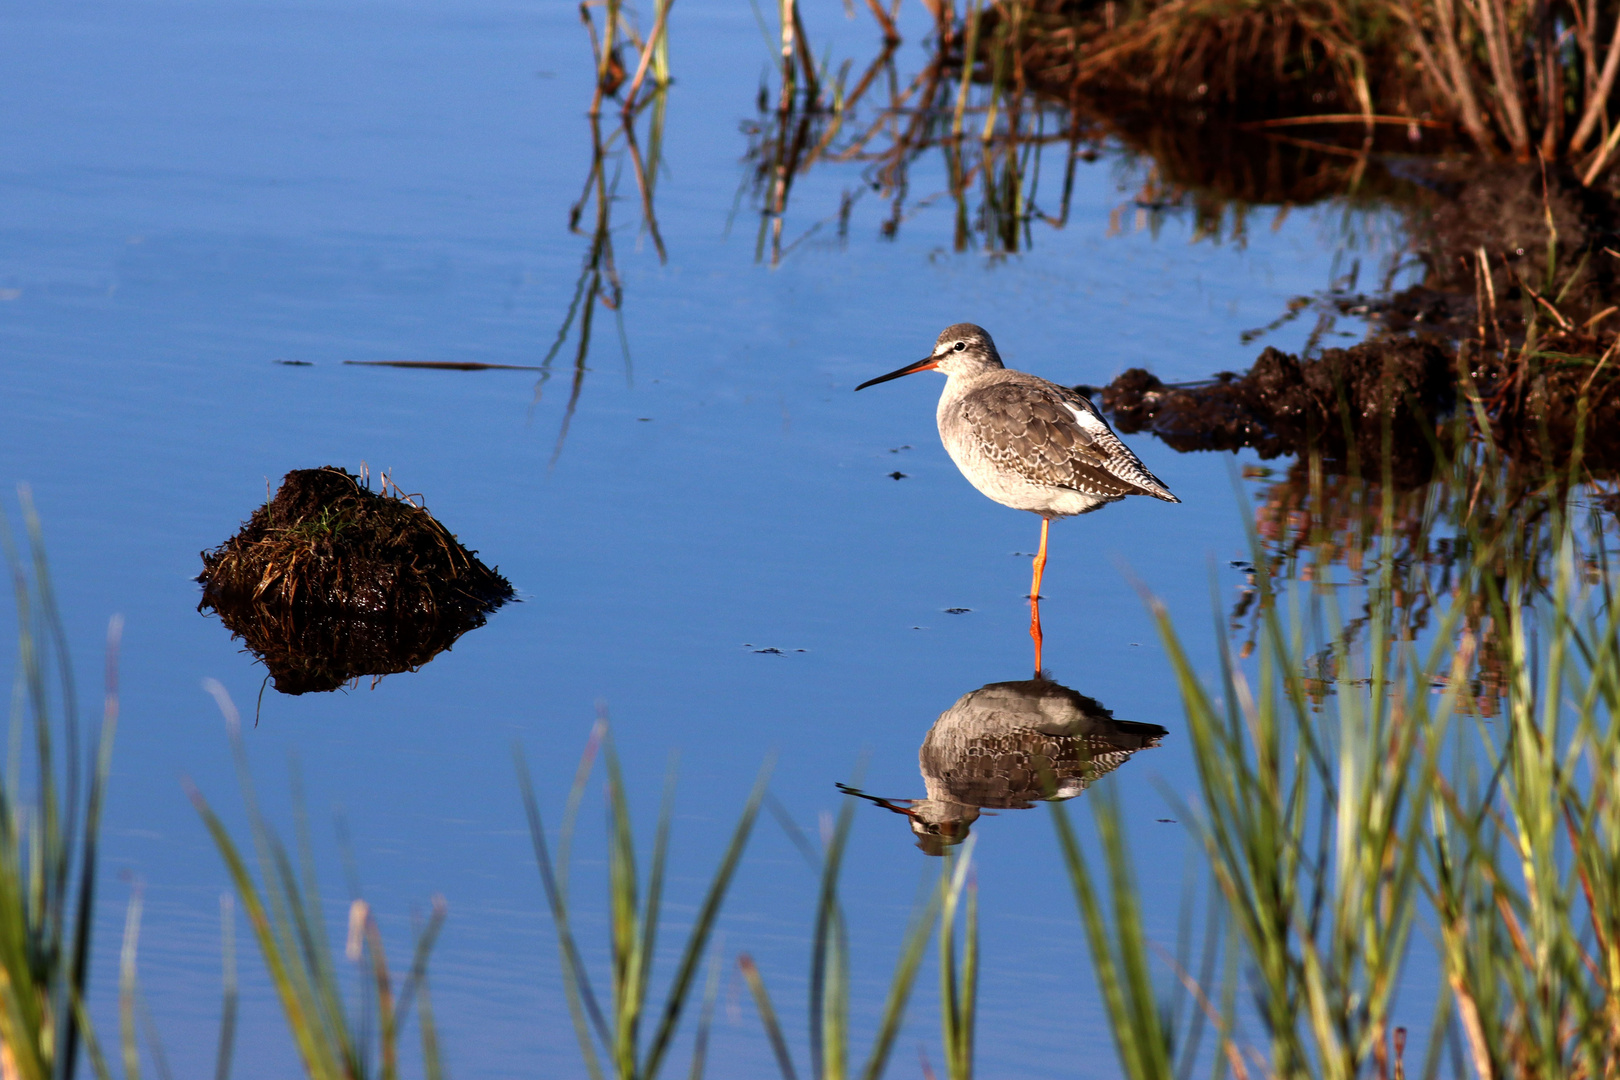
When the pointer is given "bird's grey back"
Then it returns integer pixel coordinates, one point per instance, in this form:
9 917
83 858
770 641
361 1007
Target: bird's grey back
1045 434
1006 745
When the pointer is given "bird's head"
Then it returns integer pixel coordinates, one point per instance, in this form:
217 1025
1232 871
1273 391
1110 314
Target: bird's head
962 349
938 824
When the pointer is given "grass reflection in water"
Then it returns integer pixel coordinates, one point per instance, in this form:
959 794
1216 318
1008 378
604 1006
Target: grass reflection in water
598 283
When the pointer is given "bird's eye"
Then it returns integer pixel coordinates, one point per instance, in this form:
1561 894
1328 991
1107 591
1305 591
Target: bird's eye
959 346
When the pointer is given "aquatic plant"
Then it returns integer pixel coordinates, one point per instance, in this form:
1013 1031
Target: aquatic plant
599 283
1520 79
995 97
827 1006
1338 817
335 1040
50 823
612 1037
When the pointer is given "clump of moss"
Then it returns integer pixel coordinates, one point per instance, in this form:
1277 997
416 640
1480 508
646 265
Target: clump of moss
330 581
326 540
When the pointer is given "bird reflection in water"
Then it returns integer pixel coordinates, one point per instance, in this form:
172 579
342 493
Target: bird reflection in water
1006 746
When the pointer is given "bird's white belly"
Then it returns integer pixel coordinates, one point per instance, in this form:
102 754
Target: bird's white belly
1010 489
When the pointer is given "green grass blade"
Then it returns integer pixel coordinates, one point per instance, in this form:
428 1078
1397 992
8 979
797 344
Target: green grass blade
101 769
295 1002
655 883
959 980
425 940
1118 957
711 991
698 939
126 988
829 998
92 1046
582 1005
912 949
228 992
629 993
767 1016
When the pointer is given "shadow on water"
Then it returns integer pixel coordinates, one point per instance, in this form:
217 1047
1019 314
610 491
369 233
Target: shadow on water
1337 532
330 581
317 651
1007 746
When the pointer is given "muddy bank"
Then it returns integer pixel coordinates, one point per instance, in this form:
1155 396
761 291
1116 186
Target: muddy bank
1518 300
1339 405
1344 405
330 581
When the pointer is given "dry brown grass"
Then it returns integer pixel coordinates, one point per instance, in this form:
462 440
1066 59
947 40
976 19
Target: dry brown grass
1512 78
327 541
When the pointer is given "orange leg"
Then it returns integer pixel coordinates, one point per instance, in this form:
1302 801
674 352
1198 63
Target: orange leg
1035 597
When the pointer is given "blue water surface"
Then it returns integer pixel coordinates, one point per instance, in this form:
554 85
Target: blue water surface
193 191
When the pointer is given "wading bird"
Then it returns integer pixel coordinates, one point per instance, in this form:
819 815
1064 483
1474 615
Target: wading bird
1025 442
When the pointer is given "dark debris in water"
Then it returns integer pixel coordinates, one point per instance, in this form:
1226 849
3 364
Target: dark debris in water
1286 405
442 365
330 581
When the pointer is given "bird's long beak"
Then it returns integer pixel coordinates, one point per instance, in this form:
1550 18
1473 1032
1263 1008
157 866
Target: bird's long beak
927 363
891 805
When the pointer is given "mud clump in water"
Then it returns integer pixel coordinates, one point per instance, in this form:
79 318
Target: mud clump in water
1343 401
330 580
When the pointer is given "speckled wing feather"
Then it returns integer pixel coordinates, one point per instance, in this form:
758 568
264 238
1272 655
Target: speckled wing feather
1011 769
1050 435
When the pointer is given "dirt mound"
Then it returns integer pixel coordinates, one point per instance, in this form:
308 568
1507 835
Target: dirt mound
326 540
330 580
